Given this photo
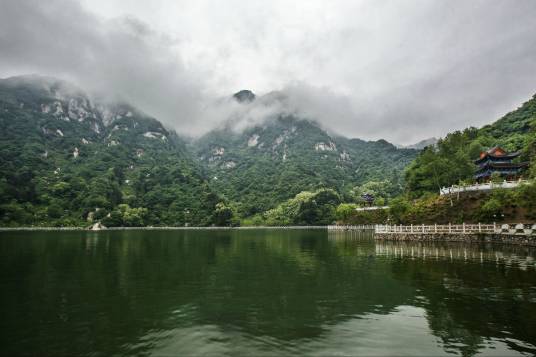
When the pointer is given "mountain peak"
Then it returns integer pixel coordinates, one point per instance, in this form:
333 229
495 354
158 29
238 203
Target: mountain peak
421 144
41 85
244 96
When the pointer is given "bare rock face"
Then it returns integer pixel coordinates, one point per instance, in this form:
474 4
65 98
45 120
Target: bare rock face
330 146
229 164
253 140
244 96
97 227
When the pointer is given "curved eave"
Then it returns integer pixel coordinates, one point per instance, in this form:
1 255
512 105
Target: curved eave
498 158
502 169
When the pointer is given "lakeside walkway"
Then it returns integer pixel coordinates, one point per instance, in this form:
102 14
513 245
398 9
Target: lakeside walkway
520 234
487 186
371 208
519 228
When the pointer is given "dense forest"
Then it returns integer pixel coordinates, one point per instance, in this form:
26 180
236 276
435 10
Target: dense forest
262 166
70 160
450 162
67 161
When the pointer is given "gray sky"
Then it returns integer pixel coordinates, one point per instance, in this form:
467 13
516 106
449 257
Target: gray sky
399 70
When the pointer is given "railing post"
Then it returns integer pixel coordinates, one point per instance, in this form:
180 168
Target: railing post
435 228
423 228
479 228
411 228
463 227
450 228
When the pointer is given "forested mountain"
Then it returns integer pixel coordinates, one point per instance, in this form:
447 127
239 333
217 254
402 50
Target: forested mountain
451 160
66 159
261 166
421 144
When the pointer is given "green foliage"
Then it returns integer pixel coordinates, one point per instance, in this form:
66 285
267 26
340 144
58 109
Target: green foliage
344 211
306 208
265 165
347 214
398 209
496 177
223 215
114 219
444 165
125 216
526 195
54 210
83 164
511 205
381 190
451 161
125 159
491 210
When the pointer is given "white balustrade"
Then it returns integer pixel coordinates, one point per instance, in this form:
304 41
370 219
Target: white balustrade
515 229
480 187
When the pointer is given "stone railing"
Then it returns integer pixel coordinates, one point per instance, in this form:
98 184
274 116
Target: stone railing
516 229
340 227
480 187
371 208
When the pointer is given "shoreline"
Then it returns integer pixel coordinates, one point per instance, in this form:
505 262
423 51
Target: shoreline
171 228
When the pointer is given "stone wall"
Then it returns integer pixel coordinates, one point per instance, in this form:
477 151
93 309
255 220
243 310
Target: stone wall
502 238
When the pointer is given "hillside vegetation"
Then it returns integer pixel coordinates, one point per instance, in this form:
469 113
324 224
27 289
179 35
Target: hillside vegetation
267 164
451 162
65 160
68 159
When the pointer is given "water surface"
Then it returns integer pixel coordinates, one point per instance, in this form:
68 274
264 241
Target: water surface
261 292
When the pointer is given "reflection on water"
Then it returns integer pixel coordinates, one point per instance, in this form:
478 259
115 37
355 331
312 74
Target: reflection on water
508 255
262 292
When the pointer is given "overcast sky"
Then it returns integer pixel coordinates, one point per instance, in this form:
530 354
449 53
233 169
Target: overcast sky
399 70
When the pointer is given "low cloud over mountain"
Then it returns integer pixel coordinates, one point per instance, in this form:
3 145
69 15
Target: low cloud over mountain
400 71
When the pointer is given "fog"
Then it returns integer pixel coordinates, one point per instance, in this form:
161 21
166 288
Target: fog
402 71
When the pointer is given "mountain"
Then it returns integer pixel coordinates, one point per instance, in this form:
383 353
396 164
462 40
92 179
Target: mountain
66 158
451 160
244 95
265 164
69 159
421 144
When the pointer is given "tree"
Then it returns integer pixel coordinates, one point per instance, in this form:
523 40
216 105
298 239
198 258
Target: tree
344 211
54 210
398 208
223 214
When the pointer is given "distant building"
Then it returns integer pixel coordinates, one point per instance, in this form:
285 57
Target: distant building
497 160
368 199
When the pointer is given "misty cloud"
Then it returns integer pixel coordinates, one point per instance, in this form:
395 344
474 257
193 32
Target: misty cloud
122 57
402 71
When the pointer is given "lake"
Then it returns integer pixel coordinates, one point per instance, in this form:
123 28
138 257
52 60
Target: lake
261 292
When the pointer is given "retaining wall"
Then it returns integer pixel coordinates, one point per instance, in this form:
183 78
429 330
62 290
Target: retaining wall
459 237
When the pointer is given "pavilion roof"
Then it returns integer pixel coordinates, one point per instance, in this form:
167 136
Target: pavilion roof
496 152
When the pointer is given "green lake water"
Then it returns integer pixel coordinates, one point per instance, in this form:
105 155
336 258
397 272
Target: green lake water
261 292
